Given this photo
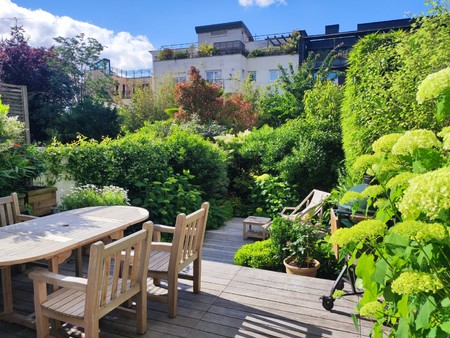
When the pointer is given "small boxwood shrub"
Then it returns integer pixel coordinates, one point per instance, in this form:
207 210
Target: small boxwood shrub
260 255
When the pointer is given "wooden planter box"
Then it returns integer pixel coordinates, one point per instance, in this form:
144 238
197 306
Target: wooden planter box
41 201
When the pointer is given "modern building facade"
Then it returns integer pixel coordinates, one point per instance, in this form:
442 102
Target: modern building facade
124 80
227 53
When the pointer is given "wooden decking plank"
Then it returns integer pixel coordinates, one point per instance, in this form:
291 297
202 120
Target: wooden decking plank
280 317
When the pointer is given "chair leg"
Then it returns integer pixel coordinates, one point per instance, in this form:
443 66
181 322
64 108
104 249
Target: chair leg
156 281
197 275
92 328
172 296
42 322
141 311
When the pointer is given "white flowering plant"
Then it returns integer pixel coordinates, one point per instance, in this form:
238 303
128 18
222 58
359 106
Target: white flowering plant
90 195
403 255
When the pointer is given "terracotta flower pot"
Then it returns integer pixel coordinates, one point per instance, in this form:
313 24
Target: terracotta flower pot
295 270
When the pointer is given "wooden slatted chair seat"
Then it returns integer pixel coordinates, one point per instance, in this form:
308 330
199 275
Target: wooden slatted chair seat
116 273
72 302
168 260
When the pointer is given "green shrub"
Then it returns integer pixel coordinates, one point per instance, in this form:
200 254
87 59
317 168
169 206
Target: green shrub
403 253
165 54
19 165
258 255
281 233
329 265
181 54
166 199
205 160
305 153
90 195
219 212
269 195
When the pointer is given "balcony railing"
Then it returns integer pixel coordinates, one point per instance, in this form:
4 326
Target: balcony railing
131 74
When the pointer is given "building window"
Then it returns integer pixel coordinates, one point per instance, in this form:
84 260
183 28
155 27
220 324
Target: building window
252 75
214 76
274 74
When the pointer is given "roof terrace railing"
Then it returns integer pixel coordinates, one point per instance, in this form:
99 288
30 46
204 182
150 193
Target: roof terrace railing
131 74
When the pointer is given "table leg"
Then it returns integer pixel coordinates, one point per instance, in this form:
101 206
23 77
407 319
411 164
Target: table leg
8 313
79 262
8 306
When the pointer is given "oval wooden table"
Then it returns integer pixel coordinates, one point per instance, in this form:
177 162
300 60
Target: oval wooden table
54 237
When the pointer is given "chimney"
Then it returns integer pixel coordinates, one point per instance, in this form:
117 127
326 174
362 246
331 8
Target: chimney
331 29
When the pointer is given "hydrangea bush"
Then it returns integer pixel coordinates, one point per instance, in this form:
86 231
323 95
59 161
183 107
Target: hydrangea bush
403 255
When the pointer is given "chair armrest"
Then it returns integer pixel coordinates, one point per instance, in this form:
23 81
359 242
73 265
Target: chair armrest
161 246
159 228
75 283
23 218
286 209
163 228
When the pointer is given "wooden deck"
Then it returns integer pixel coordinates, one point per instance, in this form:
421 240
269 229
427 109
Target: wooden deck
235 302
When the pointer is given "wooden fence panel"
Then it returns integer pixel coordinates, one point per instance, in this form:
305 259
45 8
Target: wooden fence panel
16 97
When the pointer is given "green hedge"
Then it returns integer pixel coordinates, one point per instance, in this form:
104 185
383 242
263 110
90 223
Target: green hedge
382 79
166 170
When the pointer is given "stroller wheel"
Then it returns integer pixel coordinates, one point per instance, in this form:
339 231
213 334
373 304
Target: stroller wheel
328 303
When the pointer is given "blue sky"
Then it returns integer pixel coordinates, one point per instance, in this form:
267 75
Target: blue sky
130 28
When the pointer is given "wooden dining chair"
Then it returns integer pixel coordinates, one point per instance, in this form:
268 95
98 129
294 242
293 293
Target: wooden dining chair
10 214
10 211
167 260
116 273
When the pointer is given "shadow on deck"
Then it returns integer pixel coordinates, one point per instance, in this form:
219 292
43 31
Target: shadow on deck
235 302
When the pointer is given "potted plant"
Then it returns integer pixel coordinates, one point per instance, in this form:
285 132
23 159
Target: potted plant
301 249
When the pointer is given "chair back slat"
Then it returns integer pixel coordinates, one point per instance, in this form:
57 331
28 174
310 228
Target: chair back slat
116 273
118 269
188 236
8 209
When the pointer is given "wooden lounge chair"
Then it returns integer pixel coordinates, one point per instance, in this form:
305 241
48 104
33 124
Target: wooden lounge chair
167 260
311 205
115 275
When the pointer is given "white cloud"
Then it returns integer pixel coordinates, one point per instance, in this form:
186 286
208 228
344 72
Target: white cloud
125 51
261 3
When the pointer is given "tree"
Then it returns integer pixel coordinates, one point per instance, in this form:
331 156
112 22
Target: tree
148 104
285 100
199 100
89 118
77 57
49 88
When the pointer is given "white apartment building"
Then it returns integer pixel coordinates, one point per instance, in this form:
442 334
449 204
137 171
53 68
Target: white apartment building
234 55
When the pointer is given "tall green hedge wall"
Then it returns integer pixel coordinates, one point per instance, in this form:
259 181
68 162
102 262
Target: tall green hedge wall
382 79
